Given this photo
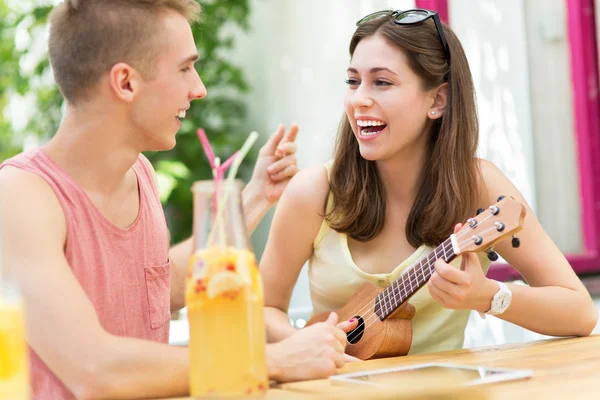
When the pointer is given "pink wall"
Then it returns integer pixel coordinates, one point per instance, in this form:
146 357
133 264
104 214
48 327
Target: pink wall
440 6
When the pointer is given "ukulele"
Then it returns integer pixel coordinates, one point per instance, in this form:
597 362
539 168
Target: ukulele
384 315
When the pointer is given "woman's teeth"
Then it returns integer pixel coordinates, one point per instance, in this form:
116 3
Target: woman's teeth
180 114
370 128
363 123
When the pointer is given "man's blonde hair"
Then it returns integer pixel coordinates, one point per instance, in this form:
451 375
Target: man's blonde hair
88 37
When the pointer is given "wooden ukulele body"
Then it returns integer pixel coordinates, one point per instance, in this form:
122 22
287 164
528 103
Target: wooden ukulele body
374 338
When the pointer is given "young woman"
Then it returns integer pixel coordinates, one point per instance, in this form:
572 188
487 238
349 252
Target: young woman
404 174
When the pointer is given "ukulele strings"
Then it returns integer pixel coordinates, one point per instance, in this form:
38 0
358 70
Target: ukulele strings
409 270
373 318
446 247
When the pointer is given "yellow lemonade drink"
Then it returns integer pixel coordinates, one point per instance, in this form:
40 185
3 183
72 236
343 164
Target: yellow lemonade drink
14 364
224 297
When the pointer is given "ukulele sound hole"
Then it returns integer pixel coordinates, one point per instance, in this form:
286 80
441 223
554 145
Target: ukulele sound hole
356 334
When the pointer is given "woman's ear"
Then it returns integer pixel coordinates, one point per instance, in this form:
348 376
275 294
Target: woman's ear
440 101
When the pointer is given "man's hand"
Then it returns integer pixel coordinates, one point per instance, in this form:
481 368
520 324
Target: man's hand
276 164
311 353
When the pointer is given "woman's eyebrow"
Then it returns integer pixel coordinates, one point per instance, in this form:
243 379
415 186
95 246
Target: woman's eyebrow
373 70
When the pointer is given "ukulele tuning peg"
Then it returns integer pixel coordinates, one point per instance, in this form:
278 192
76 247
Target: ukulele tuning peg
515 242
501 197
479 211
492 255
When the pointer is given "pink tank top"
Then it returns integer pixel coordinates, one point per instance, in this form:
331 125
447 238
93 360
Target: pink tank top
125 273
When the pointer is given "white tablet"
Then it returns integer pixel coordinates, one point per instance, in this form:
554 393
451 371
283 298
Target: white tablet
458 374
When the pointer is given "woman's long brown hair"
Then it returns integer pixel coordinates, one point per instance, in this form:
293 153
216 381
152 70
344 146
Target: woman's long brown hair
448 183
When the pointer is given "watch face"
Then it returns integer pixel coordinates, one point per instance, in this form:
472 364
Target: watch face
502 302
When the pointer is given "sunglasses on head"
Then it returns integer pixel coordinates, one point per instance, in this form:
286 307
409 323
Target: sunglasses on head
411 17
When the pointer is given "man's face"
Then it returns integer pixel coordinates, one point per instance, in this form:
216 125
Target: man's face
162 100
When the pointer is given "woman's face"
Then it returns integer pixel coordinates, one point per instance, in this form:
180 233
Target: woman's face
385 103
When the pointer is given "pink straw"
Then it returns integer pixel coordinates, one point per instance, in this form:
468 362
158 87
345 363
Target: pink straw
228 163
207 147
218 171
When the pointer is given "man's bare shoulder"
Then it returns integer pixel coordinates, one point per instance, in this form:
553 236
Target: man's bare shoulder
28 201
16 181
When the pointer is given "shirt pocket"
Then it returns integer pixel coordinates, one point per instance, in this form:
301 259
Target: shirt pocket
158 285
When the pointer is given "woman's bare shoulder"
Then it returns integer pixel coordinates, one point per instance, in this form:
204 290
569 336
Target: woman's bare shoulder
308 189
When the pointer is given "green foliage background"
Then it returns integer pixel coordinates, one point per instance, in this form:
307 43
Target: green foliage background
222 113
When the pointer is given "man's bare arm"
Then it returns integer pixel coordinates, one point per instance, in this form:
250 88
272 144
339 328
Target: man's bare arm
62 326
64 330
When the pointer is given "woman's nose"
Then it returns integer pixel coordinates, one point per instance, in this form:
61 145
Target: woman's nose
360 98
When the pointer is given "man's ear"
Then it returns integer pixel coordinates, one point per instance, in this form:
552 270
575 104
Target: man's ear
440 101
124 81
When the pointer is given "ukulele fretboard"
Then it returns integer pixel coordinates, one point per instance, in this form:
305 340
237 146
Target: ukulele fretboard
411 280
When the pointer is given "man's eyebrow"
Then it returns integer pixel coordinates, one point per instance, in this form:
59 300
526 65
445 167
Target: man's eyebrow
192 58
373 70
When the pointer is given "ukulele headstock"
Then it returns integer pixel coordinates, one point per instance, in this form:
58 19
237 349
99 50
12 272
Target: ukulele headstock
491 226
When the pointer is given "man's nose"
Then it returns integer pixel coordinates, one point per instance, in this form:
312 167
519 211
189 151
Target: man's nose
199 91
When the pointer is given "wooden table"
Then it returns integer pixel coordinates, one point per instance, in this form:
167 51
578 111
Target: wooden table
563 369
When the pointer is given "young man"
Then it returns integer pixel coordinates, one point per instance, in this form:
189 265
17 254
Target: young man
81 220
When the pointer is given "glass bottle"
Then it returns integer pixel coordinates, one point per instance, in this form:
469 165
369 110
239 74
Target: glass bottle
14 361
224 297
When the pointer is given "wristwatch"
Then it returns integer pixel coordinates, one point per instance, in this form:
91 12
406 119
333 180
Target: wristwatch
501 300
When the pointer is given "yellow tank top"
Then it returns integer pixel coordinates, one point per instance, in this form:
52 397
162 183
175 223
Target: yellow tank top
334 278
